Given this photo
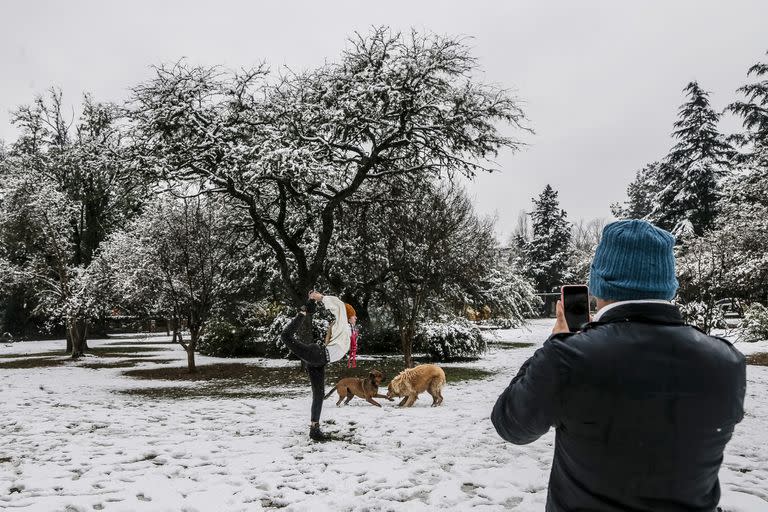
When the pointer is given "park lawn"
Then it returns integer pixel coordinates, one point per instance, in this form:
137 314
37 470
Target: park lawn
128 429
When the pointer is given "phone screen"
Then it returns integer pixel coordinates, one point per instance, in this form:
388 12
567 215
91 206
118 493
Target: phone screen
576 306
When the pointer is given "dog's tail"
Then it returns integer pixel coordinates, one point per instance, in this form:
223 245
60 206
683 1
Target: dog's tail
330 392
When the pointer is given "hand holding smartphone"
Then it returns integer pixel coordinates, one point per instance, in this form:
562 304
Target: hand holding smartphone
575 301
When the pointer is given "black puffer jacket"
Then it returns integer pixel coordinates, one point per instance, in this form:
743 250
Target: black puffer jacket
643 406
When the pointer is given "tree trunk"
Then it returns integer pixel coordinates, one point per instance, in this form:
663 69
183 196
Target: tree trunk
194 333
406 340
77 330
168 327
176 333
191 359
86 331
69 336
305 331
363 315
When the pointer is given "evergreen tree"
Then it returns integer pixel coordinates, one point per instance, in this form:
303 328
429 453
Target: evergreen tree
641 194
743 224
754 113
547 253
692 172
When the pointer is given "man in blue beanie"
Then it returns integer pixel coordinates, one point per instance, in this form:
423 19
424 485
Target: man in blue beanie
643 404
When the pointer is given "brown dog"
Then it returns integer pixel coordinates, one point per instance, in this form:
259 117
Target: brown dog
412 381
367 388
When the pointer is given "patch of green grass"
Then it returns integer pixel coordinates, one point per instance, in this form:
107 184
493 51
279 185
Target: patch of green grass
214 392
462 373
34 362
53 358
242 374
125 363
129 343
508 346
758 359
267 376
116 350
48 353
121 350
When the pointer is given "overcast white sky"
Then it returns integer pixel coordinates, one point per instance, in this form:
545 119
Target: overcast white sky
601 81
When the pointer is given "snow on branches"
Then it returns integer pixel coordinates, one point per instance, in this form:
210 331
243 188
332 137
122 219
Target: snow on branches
182 259
294 148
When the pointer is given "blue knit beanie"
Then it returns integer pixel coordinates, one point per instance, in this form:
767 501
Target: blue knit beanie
634 260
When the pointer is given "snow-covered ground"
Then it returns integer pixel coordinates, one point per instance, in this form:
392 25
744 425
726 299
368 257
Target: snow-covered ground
71 441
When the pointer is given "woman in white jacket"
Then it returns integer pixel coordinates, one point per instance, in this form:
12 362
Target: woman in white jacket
317 356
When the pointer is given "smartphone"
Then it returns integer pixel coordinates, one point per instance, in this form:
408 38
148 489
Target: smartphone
575 301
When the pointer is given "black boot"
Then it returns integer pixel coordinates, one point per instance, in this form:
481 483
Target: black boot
316 434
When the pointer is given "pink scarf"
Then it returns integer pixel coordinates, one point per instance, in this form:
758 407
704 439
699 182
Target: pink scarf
352 361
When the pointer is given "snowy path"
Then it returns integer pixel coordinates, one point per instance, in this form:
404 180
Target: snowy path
70 443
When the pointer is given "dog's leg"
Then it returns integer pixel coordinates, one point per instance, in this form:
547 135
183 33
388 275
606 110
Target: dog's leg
411 400
434 390
402 402
373 402
350 396
341 399
433 394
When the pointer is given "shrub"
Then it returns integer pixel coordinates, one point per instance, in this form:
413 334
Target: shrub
703 315
446 341
379 339
225 339
755 324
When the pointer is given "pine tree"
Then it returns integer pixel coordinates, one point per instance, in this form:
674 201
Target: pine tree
744 221
641 194
754 113
692 172
547 253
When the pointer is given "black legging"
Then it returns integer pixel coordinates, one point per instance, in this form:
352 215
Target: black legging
316 357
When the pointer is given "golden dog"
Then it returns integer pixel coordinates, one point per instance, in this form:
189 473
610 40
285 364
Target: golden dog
367 388
412 381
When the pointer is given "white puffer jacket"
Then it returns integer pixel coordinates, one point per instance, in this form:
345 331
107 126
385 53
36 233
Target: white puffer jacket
338 344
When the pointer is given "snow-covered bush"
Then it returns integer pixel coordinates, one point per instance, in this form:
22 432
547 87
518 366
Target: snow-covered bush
379 338
755 324
225 339
705 271
501 297
703 315
446 341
